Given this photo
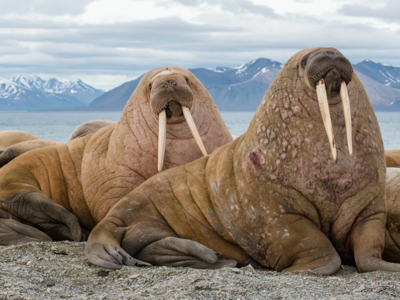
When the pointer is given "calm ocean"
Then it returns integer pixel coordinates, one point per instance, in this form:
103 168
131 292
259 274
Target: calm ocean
57 126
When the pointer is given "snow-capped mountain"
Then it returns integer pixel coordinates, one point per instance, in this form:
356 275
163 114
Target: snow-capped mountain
242 87
239 88
35 93
385 74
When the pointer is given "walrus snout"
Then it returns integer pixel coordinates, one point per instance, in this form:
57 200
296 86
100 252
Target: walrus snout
329 65
330 72
170 97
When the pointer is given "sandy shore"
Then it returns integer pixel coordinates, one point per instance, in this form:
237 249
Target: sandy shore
59 270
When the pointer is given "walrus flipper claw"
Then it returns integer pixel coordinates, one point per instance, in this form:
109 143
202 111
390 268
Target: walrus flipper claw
176 252
37 209
110 256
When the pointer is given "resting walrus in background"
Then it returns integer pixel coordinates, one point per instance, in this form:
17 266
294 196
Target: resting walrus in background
11 137
89 128
22 147
281 196
392 158
54 187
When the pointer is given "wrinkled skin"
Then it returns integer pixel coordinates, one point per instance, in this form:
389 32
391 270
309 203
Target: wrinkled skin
64 189
89 128
392 158
274 197
11 137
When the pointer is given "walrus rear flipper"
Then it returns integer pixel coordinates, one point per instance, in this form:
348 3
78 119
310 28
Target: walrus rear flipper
13 232
38 210
176 252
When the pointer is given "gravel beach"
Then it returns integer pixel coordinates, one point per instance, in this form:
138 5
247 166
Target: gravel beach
59 270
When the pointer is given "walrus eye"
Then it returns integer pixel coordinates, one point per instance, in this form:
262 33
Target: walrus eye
150 86
187 80
304 62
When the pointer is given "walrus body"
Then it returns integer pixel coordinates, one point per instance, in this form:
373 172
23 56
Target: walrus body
11 137
19 148
113 161
280 196
89 128
22 147
392 158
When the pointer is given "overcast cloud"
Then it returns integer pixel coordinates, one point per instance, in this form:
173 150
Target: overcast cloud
108 42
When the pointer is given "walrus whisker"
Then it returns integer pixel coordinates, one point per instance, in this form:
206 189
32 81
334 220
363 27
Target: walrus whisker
326 116
162 138
344 94
193 129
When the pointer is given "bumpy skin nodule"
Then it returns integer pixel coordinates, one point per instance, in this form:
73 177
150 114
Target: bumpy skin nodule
87 176
273 197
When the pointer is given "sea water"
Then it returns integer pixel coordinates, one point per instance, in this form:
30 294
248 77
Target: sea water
57 126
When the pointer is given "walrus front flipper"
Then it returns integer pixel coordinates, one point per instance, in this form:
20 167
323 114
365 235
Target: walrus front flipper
13 232
176 252
103 248
36 209
367 242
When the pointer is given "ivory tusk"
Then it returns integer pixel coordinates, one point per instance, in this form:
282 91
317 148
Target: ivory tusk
344 95
326 116
193 129
162 137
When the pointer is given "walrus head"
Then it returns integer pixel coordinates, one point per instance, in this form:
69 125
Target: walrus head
328 72
171 99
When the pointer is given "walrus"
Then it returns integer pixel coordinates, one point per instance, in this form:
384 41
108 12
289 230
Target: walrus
302 189
169 120
392 158
89 128
22 147
11 137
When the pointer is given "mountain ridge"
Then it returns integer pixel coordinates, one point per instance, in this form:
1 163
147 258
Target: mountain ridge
241 88
35 93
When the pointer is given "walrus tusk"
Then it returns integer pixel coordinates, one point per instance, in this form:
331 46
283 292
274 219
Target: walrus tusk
193 129
162 137
326 116
344 94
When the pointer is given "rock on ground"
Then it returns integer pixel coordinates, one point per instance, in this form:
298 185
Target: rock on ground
59 270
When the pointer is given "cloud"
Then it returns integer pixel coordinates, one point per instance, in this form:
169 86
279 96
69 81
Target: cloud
234 6
45 7
106 43
389 11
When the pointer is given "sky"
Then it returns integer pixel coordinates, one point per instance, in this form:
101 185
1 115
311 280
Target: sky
108 42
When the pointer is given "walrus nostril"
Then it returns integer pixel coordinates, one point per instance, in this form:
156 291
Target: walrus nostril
170 83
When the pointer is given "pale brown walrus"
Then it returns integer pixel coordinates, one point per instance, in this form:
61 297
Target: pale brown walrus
82 130
54 187
89 128
281 196
11 137
392 158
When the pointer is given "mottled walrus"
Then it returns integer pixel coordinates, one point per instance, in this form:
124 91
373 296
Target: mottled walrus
85 177
22 147
11 137
281 196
